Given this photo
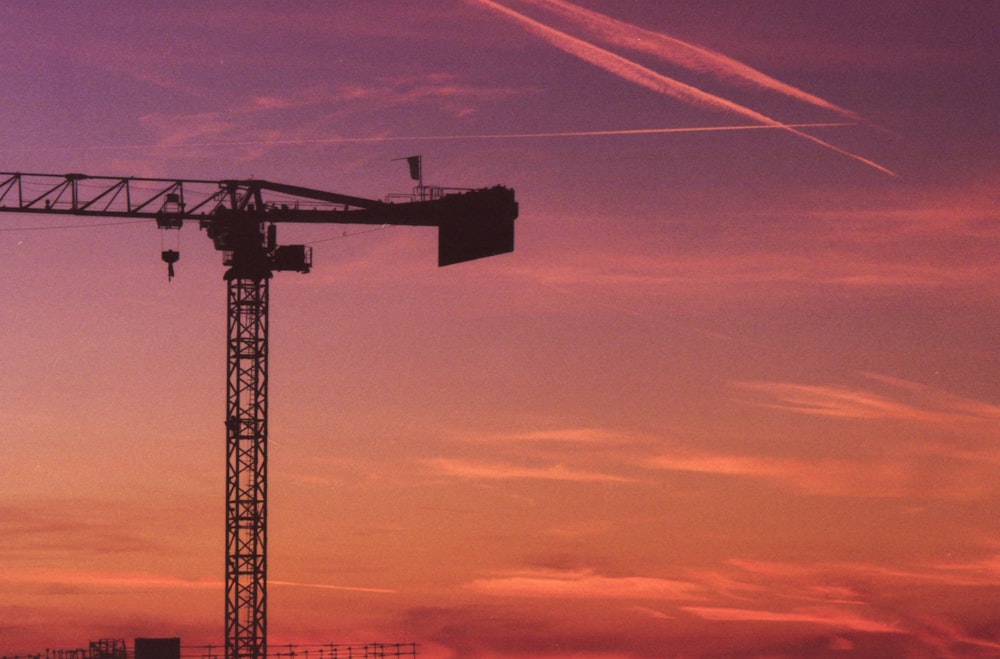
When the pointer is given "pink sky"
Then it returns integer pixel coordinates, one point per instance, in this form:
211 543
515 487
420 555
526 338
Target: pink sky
735 392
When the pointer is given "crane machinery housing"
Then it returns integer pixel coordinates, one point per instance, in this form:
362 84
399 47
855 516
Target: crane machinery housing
241 218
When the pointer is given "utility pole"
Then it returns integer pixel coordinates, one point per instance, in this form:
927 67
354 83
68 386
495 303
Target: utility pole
241 218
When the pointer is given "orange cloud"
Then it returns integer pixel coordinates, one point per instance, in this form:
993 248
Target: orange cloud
707 279
822 477
103 579
861 597
584 584
440 88
984 572
824 617
928 404
568 436
495 471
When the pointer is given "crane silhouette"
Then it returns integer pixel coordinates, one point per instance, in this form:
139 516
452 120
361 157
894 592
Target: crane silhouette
241 218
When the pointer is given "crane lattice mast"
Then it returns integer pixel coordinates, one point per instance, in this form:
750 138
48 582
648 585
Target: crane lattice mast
241 216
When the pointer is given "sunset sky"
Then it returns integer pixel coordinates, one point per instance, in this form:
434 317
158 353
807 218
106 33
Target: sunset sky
735 393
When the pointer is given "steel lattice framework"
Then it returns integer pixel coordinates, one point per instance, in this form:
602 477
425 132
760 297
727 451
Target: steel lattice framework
246 468
240 216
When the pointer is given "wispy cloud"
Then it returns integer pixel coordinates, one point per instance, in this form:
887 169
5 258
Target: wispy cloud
682 53
172 130
653 613
854 597
981 573
645 77
791 605
503 471
250 122
826 477
588 436
33 528
441 89
83 579
583 584
957 468
926 404
628 280
824 617
835 577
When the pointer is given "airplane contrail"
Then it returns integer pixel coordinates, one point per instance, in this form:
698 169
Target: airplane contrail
429 138
645 77
682 53
503 136
323 586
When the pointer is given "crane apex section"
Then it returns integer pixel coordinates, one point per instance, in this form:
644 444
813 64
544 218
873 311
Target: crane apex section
476 224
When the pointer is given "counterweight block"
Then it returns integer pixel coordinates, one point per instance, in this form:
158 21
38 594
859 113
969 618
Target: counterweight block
476 224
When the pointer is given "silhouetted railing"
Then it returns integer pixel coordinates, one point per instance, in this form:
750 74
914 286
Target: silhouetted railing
288 651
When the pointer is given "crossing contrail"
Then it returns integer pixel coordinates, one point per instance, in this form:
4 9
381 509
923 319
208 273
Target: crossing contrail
681 53
645 77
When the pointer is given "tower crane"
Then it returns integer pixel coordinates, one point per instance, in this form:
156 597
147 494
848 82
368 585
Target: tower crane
241 218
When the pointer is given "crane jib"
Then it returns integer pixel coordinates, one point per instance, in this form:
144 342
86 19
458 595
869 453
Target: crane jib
472 223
